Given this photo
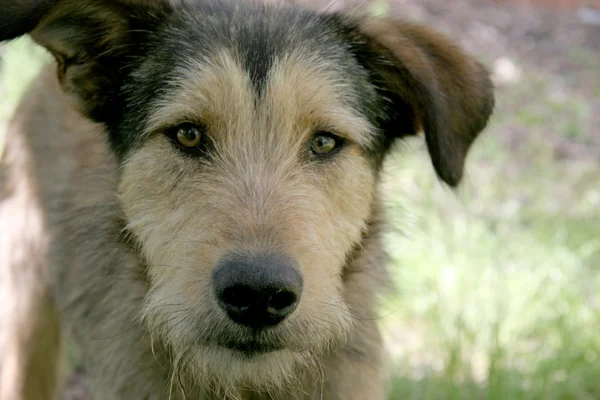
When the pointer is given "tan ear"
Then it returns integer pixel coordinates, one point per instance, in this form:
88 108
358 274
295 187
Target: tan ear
432 85
90 40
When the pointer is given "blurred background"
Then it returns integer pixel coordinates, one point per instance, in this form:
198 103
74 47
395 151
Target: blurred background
497 284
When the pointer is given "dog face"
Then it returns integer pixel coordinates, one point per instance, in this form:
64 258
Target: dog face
250 140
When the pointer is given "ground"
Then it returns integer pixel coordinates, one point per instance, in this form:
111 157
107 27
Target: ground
497 284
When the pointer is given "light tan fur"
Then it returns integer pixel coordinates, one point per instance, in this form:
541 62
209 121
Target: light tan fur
256 195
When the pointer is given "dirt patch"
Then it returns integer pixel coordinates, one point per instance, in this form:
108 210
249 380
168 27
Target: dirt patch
555 39
542 38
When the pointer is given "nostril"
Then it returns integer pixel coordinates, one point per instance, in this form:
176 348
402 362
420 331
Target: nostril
237 296
281 300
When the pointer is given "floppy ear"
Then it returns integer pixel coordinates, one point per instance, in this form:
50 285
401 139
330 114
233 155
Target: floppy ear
432 86
91 40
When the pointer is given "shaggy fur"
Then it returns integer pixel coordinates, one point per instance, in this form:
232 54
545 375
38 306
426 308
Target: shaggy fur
111 230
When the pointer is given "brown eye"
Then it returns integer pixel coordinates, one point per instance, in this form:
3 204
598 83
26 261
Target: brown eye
188 135
325 143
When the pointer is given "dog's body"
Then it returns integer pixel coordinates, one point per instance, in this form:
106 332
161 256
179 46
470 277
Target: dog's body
215 233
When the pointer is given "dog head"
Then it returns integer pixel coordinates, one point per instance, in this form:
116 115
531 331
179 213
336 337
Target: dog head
250 139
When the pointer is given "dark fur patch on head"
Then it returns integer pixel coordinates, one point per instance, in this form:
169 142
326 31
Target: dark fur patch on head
259 35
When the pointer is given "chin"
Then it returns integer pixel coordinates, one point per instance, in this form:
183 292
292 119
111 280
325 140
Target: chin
265 370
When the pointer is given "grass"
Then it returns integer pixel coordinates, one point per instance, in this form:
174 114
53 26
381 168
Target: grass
20 62
497 284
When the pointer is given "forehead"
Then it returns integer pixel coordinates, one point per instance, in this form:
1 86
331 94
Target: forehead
261 64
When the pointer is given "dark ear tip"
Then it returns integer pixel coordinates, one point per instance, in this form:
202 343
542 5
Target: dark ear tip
450 168
452 177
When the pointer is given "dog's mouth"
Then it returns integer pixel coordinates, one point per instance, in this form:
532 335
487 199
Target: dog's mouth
251 347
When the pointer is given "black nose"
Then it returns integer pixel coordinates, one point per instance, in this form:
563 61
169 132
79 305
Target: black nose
257 291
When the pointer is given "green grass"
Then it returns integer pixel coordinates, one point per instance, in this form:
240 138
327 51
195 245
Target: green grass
20 62
497 284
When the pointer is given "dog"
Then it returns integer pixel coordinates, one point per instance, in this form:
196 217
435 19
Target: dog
189 194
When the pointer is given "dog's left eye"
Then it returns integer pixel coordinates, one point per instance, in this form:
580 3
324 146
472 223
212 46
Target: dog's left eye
325 143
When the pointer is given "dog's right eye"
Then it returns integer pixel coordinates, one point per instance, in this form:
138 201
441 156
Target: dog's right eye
188 137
